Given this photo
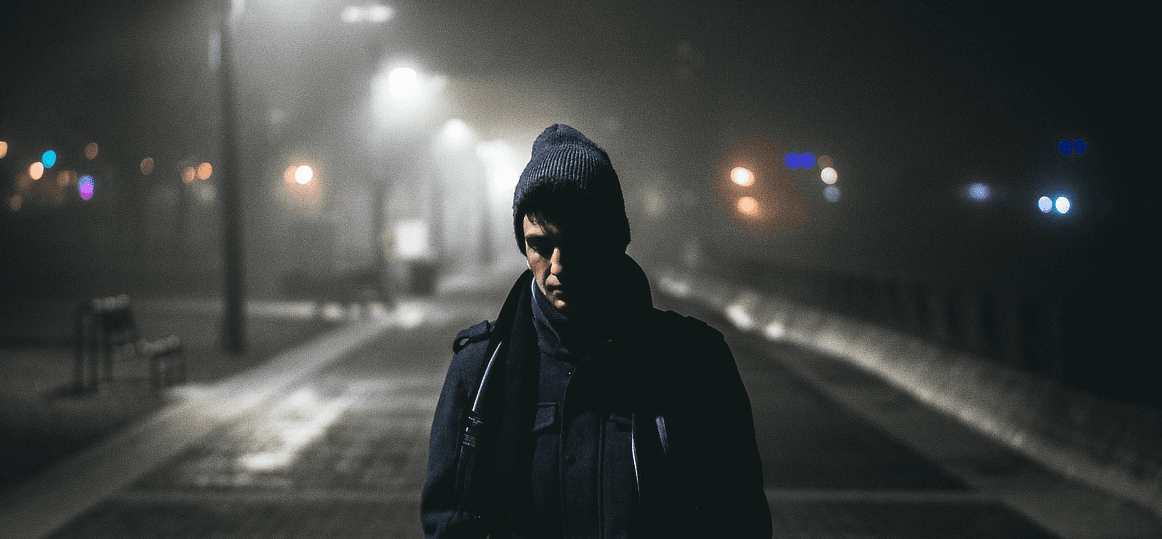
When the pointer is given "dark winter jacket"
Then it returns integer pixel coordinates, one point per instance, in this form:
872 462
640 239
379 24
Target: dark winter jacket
653 437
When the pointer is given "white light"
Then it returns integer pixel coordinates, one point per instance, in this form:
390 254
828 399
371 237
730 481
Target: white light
411 239
372 13
829 176
378 13
457 132
742 176
304 174
403 82
1062 205
1045 204
775 331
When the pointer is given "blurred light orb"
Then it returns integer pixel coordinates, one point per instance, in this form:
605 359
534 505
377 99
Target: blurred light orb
36 170
366 13
189 174
1062 205
86 186
48 158
800 160
205 170
831 193
1045 204
1080 146
91 151
147 165
3 149
748 205
304 174
1065 147
403 82
742 176
825 161
16 202
829 176
978 191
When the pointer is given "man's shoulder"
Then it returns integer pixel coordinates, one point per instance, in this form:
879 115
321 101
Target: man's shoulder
473 337
672 325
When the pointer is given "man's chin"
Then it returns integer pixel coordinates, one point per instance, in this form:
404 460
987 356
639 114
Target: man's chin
566 306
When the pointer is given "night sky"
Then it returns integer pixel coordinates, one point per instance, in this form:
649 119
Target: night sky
913 100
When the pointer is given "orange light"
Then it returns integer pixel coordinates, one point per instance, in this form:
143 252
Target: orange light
742 176
824 161
36 170
147 165
3 149
748 205
205 170
91 151
16 202
189 174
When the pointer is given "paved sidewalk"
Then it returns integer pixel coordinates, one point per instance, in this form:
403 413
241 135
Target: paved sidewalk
64 492
43 419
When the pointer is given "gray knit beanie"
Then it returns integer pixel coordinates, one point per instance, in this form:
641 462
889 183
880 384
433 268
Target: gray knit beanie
562 153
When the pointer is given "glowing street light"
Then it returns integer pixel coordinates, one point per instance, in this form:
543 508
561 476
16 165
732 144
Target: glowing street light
742 176
304 174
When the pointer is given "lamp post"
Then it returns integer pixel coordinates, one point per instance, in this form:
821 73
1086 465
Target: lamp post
234 291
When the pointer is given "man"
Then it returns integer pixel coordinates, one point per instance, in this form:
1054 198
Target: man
582 411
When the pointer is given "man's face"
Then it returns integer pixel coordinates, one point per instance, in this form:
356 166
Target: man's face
568 263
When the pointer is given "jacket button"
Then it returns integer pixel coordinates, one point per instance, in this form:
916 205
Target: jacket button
570 459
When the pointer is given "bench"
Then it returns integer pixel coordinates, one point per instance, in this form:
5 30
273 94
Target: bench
107 331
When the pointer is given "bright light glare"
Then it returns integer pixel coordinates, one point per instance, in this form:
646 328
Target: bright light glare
1062 204
205 170
304 174
411 239
85 187
457 133
48 158
36 170
503 164
748 205
1045 204
3 149
403 82
829 176
742 176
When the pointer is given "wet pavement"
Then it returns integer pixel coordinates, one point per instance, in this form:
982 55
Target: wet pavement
330 441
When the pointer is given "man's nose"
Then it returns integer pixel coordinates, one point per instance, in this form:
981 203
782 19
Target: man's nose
557 266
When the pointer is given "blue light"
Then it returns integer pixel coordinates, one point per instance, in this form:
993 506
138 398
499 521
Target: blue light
807 160
831 193
1045 204
979 192
800 160
1079 146
48 158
